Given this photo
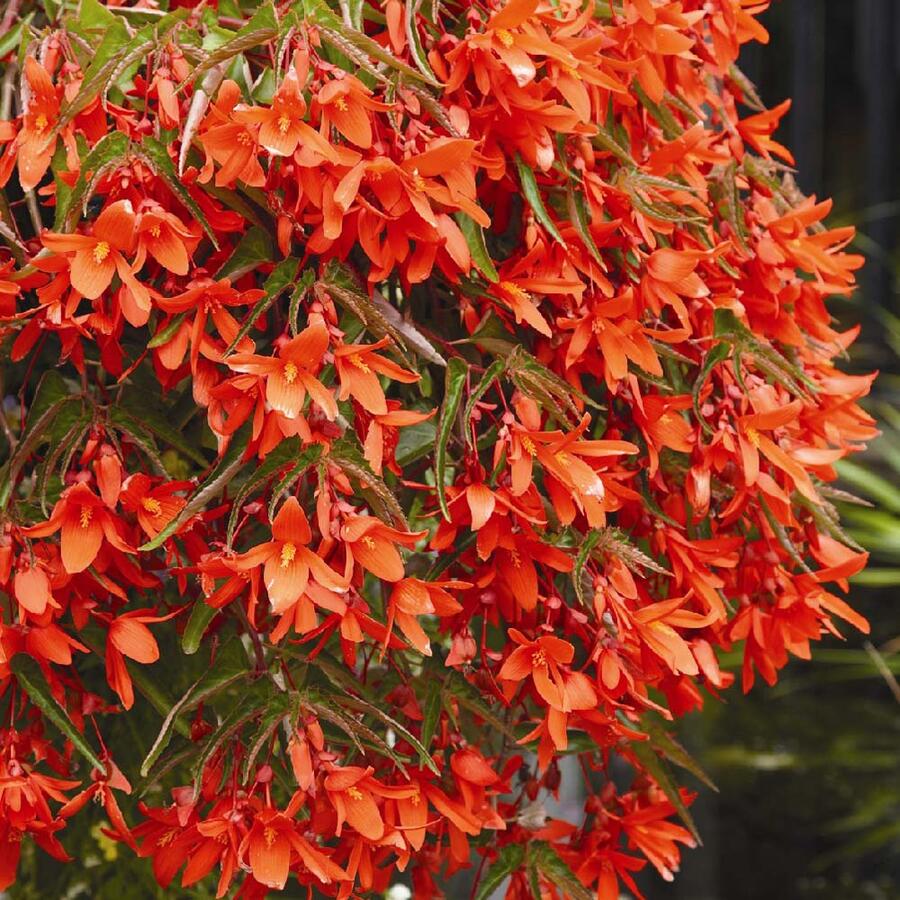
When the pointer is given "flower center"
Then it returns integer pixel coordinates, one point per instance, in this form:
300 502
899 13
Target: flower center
245 138
167 838
505 37
416 799
40 122
270 834
290 372
151 505
515 558
154 231
511 288
101 251
288 552
528 444
86 515
369 542
538 660
284 123
753 436
354 793
341 104
359 362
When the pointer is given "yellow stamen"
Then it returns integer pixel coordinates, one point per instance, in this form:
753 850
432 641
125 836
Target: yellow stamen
369 542
538 660
516 559
341 104
86 515
101 251
245 138
505 37
284 123
753 436
528 444
167 838
290 372
151 505
359 362
270 834
511 288
154 231
416 799
354 793
288 552
40 122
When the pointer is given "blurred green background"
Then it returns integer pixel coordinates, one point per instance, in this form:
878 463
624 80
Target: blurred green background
809 771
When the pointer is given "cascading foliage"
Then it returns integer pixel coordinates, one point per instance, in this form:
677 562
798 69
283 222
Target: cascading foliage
400 398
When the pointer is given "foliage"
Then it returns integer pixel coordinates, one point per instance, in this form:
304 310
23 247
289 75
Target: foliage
402 396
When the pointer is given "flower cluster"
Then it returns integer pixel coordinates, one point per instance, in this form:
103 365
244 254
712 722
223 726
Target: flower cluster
445 387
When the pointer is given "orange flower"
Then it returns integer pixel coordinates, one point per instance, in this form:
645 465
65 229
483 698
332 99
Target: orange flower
281 126
358 367
165 238
129 636
412 597
345 103
352 791
373 545
85 522
36 141
155 506
289 376
98 256
287 561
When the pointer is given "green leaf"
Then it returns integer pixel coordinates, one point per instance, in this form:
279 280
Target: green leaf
230 665
508 861
149 421
281 278
109 151
156 155
416 50
214 483
347 453
651 762
492 373
309 457
454 385
164 335
287 453
557 872
352 42
11 40
116 52
591 539
672 749
578 215
717 354
254 247
474 235
201 616
262 28
31 679
535 201
431 714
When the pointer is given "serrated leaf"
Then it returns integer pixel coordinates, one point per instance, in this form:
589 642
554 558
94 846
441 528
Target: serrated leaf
509 860
717 354
287 453
254 247
347 454
591 539
31 679
491 374
156 155
617 542
149 421
335 32
672 749
221 475
474 235
109 150
557 872
281 278
262 28
416 50
230 665
655 766
533 195
431 712
454 385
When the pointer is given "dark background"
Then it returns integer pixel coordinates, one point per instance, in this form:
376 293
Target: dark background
809 771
